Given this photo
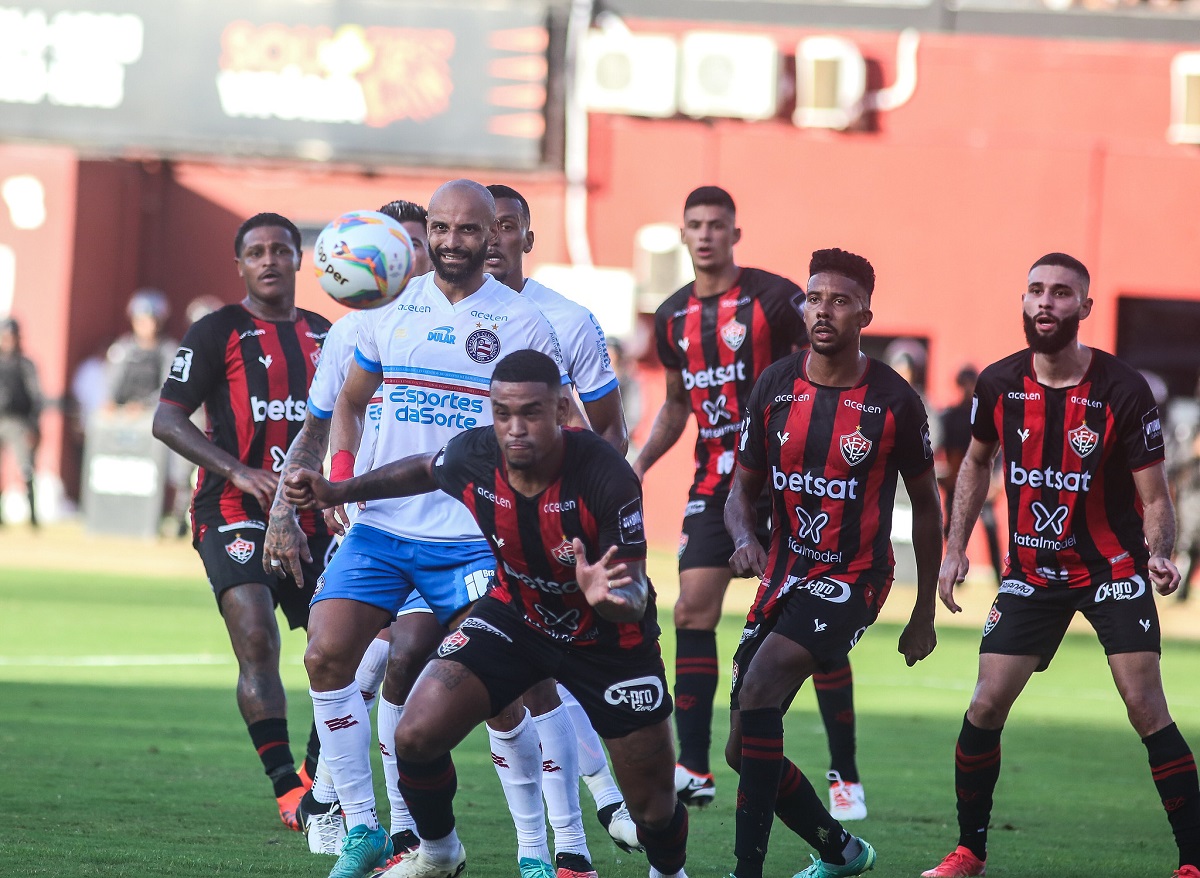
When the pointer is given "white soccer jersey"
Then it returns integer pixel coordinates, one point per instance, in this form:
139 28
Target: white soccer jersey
336 356
584 348
436 359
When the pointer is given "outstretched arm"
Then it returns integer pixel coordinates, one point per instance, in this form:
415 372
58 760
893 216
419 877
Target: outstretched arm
1158 522
970 491
307 489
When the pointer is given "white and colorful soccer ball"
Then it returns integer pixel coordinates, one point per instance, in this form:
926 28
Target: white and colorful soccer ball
363 259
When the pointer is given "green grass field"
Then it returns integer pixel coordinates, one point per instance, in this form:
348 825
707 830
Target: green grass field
123 753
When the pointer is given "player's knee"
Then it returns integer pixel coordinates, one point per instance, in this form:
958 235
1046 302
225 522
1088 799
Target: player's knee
655 812
987 713
328 668
415 743
402 671
1147 713
733 753
256 647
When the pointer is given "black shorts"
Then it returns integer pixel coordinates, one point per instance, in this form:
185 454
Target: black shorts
825 615
233 555
621 690
704 542
1031 620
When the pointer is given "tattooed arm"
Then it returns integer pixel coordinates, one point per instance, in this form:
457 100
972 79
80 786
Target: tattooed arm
285 545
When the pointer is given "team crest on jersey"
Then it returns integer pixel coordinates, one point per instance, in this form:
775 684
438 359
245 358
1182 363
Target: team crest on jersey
240 550
993 620
453 642
565 553
315 356
855 447
1083 439
483 345
733 334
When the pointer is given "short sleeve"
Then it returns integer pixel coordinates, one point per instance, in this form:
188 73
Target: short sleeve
784 319
332 368
592 371
620 518
752 443
1139 425
366 348
983 407
198 366
914 447
667 353
451 465
545 339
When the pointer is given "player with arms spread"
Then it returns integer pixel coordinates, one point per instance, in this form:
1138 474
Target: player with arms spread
562 512
830 431
250 366
1091 530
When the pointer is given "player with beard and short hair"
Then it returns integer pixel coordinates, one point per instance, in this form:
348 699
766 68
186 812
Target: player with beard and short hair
829 431
715 337
250 366
433 349
563 514
1091 531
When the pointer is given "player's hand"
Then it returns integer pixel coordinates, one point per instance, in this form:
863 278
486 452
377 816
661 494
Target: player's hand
285 545
608 587
954 571
917 640
306 489
258 483
1164 574
337 520
749 560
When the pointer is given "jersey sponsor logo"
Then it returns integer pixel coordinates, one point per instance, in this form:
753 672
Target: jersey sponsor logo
442 334
315 357
733 334
1033 541
181 366
278 409
826 557
416 309
1120 590
1017 587
1049 519
862 407
694 507
241 525
811 483
317 336
1048 478
251 333
630 524
564 552
716 411
416 405
1053 574
1017 394
502 502
725 463
718 432
1152 433
536 583
277 458
714 376
685 342
240 550
855 447
735 303
480 625
793 397
566 618
747 633
993 619
808 526
483 345
1083 400
640 695
560 506
833 590
491 318
477 582
452 643
1083 440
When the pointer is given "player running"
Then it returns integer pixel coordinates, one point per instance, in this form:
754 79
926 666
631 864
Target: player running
828 431
715 337
550 500
1091 530
250 366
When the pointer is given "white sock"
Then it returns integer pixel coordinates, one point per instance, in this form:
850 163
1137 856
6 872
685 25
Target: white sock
560 781
517 756
344 727
440 850
386 719
323 789
369 676
654 873
593 764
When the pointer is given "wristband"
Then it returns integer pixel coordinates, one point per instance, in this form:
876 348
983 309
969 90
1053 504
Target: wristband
341 467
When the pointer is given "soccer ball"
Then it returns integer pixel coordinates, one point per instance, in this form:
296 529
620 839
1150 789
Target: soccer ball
363 259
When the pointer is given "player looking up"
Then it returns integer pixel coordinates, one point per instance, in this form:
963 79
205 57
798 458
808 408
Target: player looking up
250 365
1091 530
829 431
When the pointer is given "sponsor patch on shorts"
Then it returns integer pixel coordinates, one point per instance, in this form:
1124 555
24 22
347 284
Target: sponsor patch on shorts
640 695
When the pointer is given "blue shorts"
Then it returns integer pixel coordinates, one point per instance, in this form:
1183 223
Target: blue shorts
396 574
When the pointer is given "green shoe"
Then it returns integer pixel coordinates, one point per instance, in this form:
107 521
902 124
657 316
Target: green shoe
363 851
864 862
534 868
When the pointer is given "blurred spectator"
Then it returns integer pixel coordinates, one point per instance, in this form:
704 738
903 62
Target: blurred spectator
138 362
955 437
631 391
20 407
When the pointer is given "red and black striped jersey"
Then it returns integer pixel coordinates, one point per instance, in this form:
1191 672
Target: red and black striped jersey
252 378
1069 454
721 344
596 498
831 457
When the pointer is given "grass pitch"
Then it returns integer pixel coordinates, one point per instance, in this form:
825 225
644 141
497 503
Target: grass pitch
123 752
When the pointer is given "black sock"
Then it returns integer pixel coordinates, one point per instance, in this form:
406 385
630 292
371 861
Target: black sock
1174 771
695 689
976 770
666 849
800 809
835 698
429 788
270 739
313 752
761 765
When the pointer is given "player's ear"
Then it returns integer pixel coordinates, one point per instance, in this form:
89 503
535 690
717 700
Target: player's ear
1086 308
737 235
237 260
865 316
528 242
562 411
